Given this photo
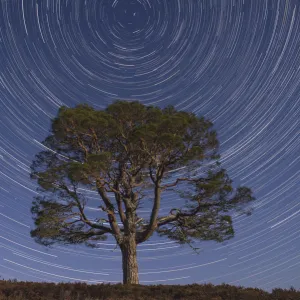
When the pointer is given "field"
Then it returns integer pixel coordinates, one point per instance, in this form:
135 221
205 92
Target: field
14 290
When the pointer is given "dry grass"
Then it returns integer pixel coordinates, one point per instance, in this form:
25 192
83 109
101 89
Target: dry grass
14 290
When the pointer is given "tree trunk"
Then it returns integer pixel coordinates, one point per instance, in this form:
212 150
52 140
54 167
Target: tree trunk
129 260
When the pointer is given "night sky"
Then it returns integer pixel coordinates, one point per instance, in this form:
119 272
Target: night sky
235 62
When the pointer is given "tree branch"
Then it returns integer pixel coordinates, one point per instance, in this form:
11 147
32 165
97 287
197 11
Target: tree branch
170 218
110 211
155 209
180 180
119 203
83 217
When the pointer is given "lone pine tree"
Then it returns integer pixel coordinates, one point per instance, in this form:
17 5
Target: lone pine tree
127 153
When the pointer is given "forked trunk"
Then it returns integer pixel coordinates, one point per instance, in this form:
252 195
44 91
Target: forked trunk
129 261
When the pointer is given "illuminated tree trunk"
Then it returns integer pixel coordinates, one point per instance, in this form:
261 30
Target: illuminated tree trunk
129 260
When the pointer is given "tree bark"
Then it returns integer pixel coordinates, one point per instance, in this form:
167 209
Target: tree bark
129 260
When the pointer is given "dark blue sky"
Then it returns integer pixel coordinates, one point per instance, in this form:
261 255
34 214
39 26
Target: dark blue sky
236 62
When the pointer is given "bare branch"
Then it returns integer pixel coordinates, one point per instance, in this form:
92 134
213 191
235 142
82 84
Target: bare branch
83 217
110 211
183 179
173 217
155 209
119 203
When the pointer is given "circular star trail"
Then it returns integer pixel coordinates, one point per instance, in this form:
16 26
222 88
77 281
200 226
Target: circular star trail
235 62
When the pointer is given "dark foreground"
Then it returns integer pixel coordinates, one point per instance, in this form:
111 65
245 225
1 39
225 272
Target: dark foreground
14 290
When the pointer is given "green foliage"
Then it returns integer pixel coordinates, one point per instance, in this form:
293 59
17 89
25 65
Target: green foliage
127 150
52 226
208 226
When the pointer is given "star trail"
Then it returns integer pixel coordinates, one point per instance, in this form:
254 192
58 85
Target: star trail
237 62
